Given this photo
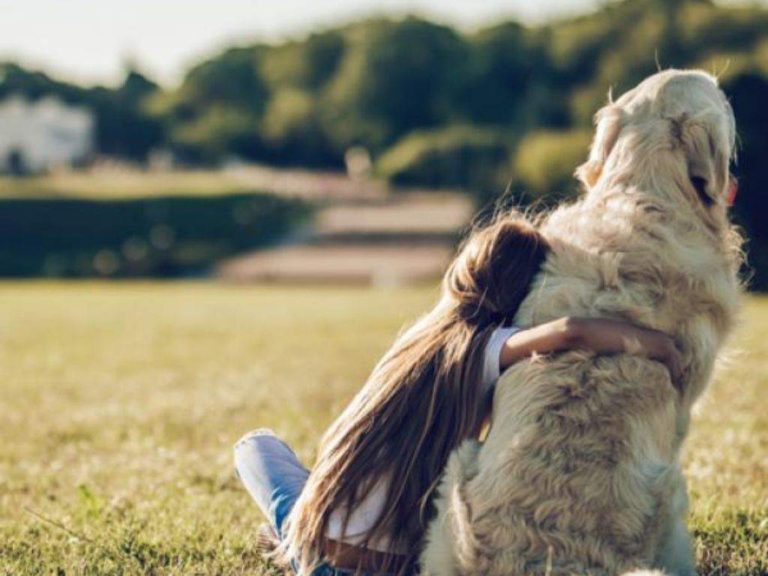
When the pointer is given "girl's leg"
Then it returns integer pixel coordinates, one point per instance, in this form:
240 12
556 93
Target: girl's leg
274 478
271 473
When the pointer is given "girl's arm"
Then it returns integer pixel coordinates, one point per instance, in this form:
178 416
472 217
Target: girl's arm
599 335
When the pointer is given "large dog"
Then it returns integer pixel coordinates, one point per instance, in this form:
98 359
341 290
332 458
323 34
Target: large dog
579 473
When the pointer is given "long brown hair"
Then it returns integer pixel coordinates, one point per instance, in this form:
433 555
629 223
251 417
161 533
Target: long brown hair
421 400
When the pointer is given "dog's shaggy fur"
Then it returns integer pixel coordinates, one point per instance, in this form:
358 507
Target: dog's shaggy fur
580 473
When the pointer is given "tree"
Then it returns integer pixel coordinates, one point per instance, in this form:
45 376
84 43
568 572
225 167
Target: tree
396 76
306 65
124 127
748 93
217 110
33 85
509 80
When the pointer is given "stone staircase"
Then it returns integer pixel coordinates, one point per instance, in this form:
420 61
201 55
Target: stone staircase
392 239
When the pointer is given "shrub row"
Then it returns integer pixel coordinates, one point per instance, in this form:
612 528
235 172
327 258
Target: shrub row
161 236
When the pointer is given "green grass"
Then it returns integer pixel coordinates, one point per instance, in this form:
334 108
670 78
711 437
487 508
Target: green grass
120 404
113 184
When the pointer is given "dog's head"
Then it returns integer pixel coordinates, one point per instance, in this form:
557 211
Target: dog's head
675 133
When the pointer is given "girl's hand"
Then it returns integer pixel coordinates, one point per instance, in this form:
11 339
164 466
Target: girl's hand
596 334
659 346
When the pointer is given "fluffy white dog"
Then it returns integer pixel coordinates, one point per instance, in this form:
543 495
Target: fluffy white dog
580 473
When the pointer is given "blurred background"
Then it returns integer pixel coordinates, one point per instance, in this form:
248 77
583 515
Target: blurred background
287 156
332 141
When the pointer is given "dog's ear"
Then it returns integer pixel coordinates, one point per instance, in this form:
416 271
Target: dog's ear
609 122
707 155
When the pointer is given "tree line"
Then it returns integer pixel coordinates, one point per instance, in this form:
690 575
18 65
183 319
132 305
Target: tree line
508 106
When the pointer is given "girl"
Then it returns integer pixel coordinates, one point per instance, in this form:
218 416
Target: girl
365 505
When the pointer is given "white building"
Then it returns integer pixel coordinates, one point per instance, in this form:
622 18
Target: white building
45 134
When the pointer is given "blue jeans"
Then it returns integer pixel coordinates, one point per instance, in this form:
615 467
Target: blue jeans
274 478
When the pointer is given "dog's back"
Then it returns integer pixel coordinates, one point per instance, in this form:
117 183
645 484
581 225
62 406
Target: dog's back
583 465
579 473
573 477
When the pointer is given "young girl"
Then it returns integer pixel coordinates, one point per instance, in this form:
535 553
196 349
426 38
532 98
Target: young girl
365 505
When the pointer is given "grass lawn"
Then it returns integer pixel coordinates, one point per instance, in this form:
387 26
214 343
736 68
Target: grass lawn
110 185
120 404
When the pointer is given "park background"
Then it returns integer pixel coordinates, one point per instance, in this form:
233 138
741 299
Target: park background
189 253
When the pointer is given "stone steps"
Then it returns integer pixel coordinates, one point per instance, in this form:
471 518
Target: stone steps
400 239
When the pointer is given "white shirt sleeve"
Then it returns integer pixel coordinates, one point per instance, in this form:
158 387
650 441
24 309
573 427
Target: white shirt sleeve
492 360
367 512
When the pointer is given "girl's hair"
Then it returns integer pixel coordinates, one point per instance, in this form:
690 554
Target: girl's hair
421 400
